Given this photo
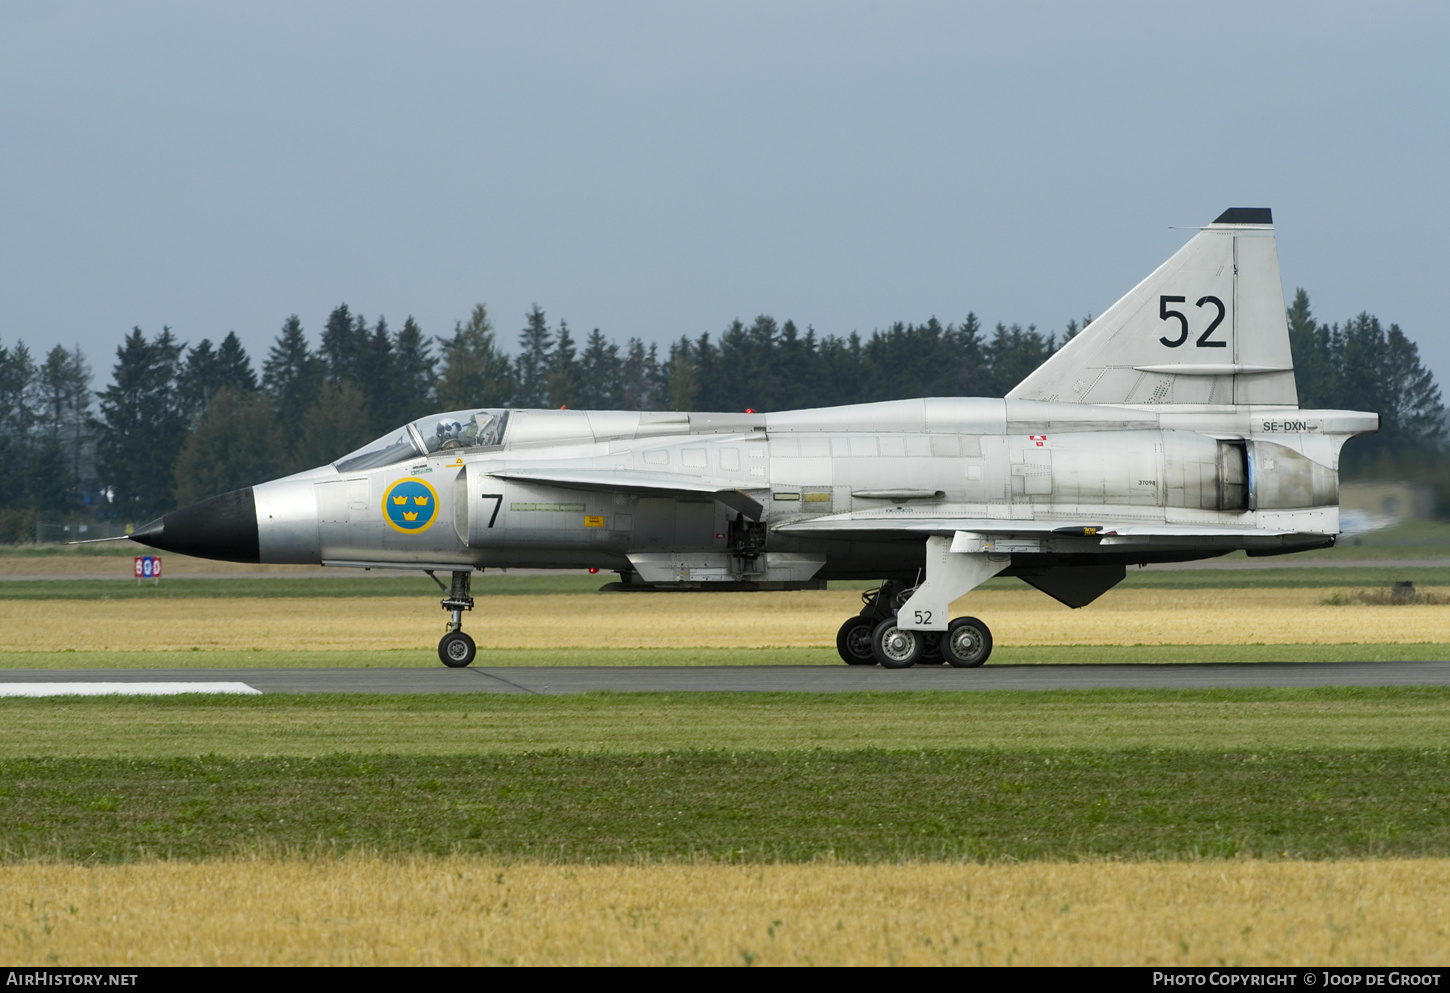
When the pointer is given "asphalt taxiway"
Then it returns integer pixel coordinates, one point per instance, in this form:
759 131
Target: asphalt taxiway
555 680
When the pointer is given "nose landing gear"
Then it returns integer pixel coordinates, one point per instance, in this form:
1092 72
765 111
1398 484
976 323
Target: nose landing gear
456 649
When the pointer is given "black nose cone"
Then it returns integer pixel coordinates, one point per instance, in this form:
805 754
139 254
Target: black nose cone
224 527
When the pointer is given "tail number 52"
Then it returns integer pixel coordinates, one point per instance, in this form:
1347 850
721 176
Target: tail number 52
1204 341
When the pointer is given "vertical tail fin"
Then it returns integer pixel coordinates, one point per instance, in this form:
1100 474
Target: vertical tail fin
1206 327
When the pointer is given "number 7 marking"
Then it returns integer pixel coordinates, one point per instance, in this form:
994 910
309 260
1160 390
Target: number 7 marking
497 499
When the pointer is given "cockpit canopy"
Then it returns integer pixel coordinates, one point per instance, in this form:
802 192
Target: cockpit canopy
482 428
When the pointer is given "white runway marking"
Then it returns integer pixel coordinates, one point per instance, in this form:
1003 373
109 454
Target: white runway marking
128 689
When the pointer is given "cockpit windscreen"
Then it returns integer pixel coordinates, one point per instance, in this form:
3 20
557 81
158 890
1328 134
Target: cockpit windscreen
462 429
427 435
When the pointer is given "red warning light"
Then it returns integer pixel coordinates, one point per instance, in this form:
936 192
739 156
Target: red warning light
750 410
592 570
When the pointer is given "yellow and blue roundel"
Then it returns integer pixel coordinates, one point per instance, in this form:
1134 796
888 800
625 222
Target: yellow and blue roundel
410 506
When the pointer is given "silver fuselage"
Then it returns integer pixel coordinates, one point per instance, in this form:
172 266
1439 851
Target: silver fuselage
838 492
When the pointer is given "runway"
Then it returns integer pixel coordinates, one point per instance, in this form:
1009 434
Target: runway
767 679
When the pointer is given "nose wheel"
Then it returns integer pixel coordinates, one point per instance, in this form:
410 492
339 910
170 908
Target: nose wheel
456 649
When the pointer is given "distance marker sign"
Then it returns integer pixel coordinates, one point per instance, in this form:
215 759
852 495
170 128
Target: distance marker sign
410 506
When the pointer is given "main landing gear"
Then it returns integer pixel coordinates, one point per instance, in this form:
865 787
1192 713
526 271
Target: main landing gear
872 637
900 626
457 649
856 639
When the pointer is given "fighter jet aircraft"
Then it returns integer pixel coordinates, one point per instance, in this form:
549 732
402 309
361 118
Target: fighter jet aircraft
1166 431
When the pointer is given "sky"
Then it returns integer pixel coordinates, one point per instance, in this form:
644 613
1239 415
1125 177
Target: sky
659 169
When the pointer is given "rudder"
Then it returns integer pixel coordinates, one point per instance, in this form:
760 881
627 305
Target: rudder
1207 327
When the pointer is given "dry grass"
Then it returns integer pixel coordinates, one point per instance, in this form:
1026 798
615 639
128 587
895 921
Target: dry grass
461 911
681 620
1386 597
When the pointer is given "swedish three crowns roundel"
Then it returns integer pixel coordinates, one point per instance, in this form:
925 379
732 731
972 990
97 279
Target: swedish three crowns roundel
410 505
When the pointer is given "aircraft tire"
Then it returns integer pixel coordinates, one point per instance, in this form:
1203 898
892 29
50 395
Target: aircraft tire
967 643
457 650
853 641
894 647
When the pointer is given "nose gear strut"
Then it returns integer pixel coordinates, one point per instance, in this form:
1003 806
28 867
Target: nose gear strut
457 649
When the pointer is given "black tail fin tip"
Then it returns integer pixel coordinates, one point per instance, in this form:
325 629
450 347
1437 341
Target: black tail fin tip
1245 215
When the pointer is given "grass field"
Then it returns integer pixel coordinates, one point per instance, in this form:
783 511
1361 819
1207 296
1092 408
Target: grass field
469 911
740 806
1192 827
318 726
805 619
858 777
850 829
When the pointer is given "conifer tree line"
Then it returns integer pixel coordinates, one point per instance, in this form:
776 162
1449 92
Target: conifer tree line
180 422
